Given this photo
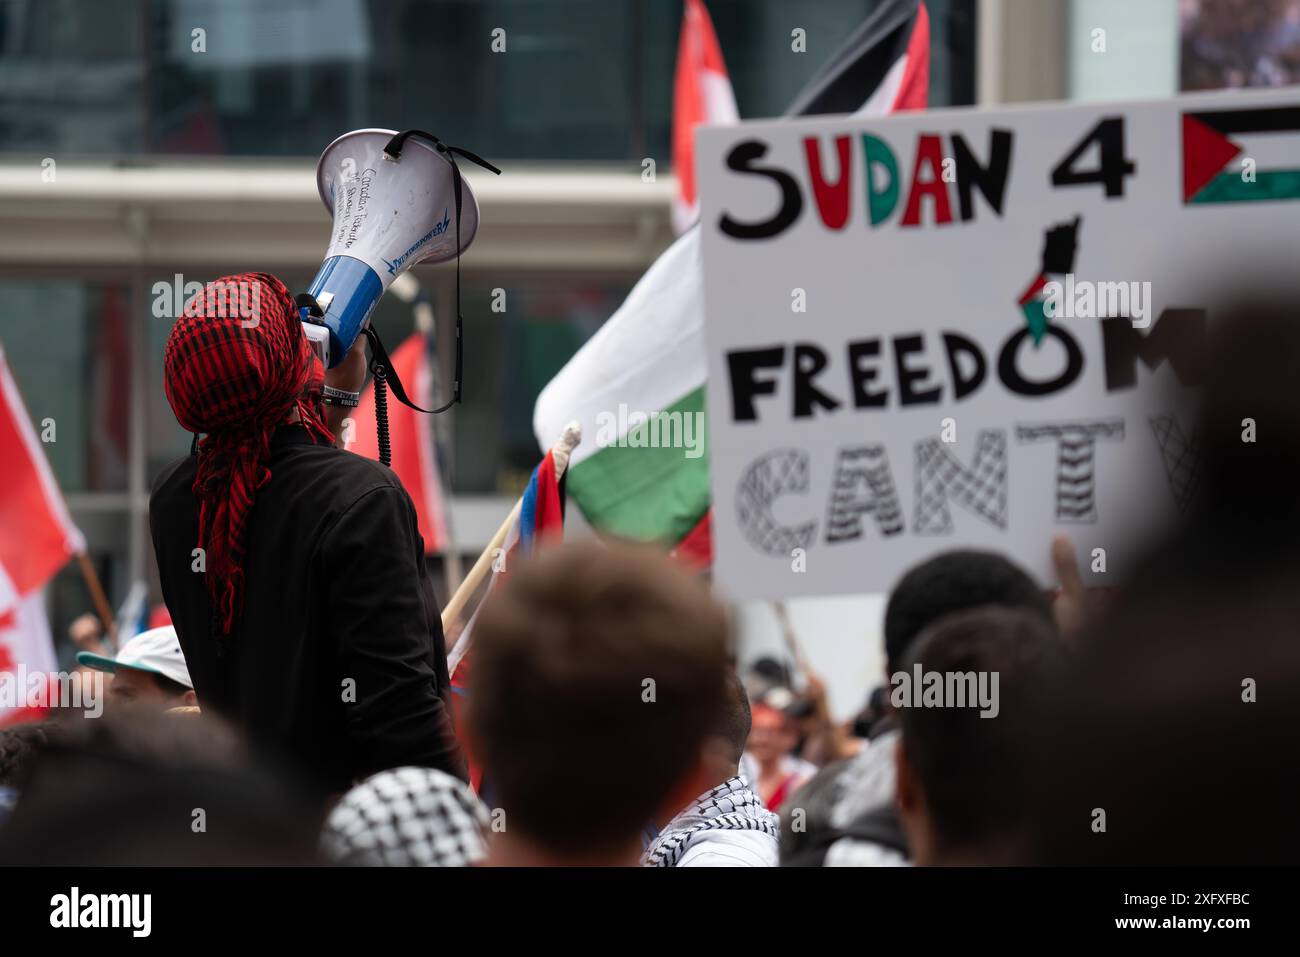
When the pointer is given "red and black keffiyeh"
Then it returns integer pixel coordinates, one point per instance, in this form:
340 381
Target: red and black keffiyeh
236 366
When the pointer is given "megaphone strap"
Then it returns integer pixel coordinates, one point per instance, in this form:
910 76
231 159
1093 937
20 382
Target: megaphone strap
380 364
379 360
394 150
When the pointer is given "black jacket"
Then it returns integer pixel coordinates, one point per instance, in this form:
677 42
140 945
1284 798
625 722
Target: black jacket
337 665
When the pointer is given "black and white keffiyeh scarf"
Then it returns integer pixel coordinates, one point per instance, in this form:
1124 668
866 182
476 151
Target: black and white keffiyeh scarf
407 817
731 806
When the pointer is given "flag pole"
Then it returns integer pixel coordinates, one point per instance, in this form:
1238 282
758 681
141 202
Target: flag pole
560 452
453 572
97 597
788 633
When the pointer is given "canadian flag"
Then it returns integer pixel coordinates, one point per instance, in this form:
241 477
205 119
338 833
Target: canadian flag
701 94
37 537
414 458
25 640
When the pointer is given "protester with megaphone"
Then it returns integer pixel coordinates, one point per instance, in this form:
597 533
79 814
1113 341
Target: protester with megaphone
293 569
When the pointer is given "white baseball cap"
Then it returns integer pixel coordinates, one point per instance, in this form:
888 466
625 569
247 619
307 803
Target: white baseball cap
157 651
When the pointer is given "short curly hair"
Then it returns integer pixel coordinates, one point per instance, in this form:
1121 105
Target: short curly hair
20 745
951 582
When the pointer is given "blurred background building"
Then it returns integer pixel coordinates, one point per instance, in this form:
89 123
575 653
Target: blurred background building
131 160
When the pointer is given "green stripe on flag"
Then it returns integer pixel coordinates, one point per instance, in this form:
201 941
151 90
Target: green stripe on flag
1268 185
644 493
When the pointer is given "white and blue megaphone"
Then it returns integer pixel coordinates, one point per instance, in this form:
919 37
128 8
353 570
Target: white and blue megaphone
397 199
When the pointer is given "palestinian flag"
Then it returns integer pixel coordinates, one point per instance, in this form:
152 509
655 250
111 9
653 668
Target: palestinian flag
649 358
1241 156
1059 247
702 96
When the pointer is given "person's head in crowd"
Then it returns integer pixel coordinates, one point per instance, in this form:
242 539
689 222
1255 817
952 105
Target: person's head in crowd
773 734
598 674
149 672
1248 438
764 674
961 775
407 817
772 759
723 749
865 722
849 805
20 744
951 582
1168 741
725 824
134 789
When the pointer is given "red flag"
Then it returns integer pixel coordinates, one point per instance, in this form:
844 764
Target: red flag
37 536
913 74
25 640
411 437
701 94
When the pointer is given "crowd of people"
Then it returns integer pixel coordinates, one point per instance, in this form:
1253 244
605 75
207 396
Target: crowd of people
1236 43
299 710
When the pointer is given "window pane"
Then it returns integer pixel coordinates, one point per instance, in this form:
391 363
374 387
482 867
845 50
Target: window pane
509 358
577 80
68 345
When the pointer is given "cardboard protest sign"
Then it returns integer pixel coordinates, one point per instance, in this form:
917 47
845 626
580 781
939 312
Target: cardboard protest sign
973 328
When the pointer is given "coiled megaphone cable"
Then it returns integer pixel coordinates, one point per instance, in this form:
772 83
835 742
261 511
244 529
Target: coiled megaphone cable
381 414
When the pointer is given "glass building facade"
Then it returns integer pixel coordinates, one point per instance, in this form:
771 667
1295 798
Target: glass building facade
551 80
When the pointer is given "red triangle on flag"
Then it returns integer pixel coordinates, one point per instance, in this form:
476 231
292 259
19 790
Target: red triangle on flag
696 549
1205 152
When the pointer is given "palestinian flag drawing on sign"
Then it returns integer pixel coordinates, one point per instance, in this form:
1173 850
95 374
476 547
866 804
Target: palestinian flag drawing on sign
1262 146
